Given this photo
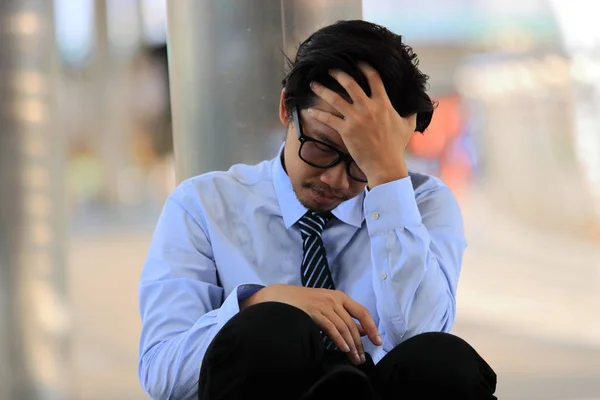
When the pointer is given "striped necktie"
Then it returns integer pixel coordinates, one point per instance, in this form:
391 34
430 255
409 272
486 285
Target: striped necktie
315 270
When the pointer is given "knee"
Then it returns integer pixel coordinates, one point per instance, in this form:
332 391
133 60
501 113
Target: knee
272 328
265 343
439 363
272 320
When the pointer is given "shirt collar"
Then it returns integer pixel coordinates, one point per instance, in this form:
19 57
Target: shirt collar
349 212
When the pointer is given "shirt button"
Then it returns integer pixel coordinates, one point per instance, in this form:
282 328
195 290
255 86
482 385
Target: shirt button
383 276
375 215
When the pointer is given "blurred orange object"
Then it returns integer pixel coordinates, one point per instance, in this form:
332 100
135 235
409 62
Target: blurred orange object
445 126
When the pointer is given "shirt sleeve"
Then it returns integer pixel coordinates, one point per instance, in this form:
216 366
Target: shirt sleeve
417 245
181 304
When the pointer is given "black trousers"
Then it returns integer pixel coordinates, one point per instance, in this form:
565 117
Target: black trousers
275 351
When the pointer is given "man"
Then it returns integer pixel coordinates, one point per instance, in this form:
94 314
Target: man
327 272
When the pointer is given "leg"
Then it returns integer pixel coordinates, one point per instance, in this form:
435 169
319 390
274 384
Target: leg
261 351
435 365
342 380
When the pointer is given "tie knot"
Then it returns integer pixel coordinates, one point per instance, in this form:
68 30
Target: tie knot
312 224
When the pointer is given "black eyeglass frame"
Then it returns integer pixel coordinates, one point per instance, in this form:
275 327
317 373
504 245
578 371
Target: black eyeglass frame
342 157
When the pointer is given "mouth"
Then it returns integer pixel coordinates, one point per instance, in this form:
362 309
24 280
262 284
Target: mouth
323 198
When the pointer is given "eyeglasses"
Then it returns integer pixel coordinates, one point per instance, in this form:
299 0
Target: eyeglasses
322 155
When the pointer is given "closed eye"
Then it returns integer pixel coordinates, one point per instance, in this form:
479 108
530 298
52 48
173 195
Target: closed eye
324 148
324 138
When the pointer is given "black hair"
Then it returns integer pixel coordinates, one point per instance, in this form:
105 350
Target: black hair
342 46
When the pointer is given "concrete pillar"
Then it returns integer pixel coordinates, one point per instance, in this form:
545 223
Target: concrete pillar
226 66
33 315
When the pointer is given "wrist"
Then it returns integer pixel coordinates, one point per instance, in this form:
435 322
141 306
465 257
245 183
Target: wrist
254 298
388 173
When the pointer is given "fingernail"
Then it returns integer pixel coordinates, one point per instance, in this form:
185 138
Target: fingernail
363 359
356 357
346 348
315 85
310 111
379 340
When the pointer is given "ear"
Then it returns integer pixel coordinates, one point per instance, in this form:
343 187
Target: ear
283 116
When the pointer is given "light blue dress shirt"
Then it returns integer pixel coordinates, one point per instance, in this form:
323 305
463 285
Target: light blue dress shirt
396 249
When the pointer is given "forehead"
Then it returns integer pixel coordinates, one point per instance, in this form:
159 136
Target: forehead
316 130
310 124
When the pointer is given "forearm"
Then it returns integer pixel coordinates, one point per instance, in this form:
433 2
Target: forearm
255 298
412 290
173 344
170 369
416 256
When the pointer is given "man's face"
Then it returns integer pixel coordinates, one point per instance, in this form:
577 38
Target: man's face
317 189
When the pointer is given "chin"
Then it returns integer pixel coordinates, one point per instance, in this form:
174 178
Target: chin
308 202
321 209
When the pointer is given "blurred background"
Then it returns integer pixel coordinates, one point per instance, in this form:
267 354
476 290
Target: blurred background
97 126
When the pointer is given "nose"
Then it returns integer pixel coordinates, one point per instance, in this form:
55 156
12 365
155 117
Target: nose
336 177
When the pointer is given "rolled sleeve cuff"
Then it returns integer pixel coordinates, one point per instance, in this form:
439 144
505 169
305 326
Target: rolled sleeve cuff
391 206
231 305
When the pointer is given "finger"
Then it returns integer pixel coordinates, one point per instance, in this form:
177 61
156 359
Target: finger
361 330
375 83
364 317
329 328
331 97
353 329
356 93
355 353
329 119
